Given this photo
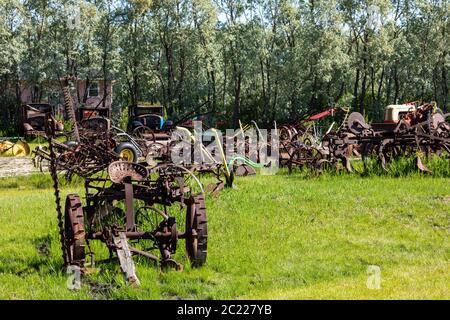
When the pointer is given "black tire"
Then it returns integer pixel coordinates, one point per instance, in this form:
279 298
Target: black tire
74 233
196 231
127 147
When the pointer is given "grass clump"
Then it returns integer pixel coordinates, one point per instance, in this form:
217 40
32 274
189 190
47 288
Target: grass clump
38 181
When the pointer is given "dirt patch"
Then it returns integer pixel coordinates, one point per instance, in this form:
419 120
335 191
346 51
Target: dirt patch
446 199
16 166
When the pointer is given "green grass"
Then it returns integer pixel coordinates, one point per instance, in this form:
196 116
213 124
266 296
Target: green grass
273 237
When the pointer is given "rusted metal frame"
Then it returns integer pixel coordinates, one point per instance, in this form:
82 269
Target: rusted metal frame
134 235
154 198
129 211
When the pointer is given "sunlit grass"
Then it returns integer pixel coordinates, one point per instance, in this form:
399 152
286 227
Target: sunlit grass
284 236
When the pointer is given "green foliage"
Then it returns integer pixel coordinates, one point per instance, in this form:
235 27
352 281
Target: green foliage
251 60
10 115
122 119
11 32
68 125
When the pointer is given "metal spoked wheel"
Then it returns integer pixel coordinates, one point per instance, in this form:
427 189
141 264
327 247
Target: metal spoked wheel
156 217
149 218
302 155
144 133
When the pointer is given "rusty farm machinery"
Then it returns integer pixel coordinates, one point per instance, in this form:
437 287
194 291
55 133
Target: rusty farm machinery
146 207
131 208
302 144
134 207
419 131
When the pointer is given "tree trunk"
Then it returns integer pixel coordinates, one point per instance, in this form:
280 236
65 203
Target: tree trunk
363 94
388 89
237 101
355 90
396 85
224 90
444 88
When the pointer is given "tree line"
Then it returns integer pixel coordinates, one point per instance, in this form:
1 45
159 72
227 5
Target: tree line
262 60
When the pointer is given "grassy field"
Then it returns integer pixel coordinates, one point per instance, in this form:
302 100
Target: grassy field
274 237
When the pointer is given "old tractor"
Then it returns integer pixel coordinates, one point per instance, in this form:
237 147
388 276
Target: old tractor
33 119
147 121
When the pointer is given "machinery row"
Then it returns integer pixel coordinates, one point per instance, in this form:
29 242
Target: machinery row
139 201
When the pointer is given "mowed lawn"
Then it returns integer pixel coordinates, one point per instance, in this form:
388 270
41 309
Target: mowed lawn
274 237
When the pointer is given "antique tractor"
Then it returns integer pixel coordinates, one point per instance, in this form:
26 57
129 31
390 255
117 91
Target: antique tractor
33 119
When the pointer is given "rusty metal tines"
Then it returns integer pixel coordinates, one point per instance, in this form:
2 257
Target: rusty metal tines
91 155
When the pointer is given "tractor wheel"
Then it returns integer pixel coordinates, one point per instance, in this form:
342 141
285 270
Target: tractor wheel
196 230
127 152
74 234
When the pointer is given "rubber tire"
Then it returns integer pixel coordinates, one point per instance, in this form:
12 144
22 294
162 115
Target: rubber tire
128 145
